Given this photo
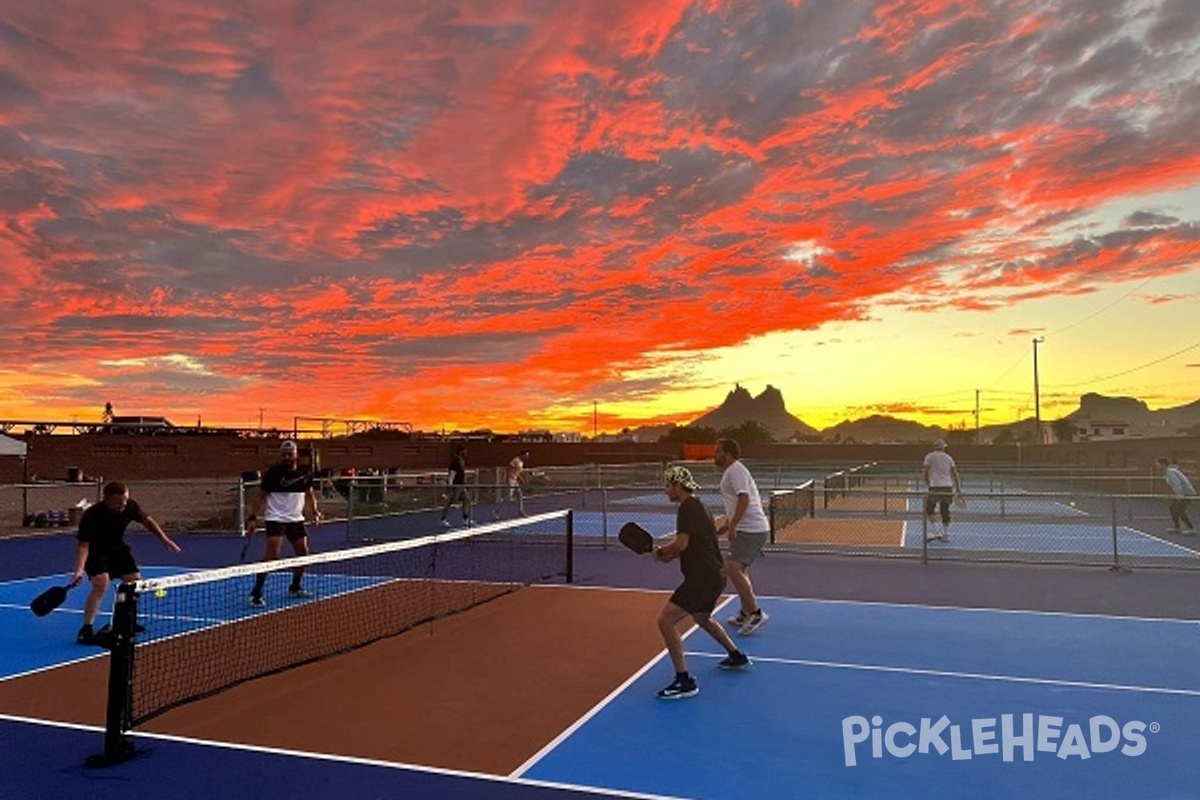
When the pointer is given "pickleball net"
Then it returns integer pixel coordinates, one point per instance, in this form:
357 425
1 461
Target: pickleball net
201 634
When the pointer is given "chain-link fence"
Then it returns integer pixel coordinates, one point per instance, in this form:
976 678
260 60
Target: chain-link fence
1114 518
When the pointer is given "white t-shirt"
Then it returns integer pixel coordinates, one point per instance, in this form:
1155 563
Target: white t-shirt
738 480
941 469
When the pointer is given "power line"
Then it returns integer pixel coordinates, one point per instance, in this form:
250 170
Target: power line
1129 371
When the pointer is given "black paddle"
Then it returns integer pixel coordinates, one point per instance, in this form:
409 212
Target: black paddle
636 538
49 600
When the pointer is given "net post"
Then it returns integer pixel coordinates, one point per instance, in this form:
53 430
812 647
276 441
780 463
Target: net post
117 716
570 576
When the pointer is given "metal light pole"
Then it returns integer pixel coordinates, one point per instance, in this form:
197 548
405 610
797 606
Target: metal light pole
1037 402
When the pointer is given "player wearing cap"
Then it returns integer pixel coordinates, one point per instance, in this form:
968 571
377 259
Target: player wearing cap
284 493
942 484
695 545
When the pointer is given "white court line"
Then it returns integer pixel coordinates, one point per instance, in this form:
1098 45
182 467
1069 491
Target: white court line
981 676
979 609
596 709
340 759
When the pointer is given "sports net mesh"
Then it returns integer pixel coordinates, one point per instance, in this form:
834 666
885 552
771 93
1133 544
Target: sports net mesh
202 635
791 506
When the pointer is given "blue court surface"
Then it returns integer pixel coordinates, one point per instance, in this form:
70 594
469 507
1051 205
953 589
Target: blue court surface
845 700
879 701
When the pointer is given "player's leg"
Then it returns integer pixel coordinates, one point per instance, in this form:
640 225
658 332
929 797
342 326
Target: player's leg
744 550
466 505
91 607
734 657
273 532
298 537
684 684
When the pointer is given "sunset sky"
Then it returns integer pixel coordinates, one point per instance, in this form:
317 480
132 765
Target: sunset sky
511 214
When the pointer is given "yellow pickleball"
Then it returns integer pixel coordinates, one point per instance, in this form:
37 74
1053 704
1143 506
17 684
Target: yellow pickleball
160 594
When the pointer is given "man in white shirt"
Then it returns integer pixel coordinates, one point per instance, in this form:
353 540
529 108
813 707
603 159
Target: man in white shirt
942 484
1182 493
747 526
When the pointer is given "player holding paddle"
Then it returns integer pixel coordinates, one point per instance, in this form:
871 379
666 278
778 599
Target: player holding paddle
695 545
285 491
102 552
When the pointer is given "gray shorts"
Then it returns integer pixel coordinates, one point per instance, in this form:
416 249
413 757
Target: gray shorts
745 547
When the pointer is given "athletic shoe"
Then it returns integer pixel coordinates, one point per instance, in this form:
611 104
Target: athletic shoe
138 627
680 689
1173 530
470 523
495 515
755 621
299 592
257 602
445 523
739 620
738 660
86 635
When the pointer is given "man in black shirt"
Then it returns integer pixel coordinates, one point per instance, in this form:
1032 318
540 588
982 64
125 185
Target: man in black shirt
695 545
102 552
457 492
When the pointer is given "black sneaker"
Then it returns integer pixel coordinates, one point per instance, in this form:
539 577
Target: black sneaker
86 635
736 660
256 601
680 688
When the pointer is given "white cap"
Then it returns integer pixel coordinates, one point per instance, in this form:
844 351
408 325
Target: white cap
288 446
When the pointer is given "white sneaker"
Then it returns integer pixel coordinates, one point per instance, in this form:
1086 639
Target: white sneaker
739 620
753 622
445 523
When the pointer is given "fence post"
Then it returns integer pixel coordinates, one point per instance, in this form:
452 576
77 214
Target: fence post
1116 565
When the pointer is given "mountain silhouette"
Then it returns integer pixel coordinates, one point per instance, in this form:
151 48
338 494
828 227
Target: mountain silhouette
767 410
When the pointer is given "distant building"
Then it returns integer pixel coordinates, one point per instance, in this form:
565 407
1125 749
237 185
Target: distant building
1098 430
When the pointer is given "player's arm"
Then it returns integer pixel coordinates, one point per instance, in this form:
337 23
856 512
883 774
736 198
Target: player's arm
739 510
957 480
150 524
310 497
671 550
81 554
256 507
925 474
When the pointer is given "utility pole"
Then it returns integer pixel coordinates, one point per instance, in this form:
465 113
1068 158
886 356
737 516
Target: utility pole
977 416
1037 402
595 419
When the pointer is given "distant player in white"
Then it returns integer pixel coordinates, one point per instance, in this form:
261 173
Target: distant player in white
941 484
514 477
1182 493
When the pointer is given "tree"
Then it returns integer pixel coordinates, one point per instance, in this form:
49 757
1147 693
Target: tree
1064 430
749 432
690 434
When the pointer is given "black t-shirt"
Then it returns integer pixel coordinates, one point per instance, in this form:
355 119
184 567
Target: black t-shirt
703 554
458 471
284 478
104 529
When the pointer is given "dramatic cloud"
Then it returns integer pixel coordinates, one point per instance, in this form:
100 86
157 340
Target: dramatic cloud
497 214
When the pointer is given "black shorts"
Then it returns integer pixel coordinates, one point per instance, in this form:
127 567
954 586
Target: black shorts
699 595
294 531
113 564
458 493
